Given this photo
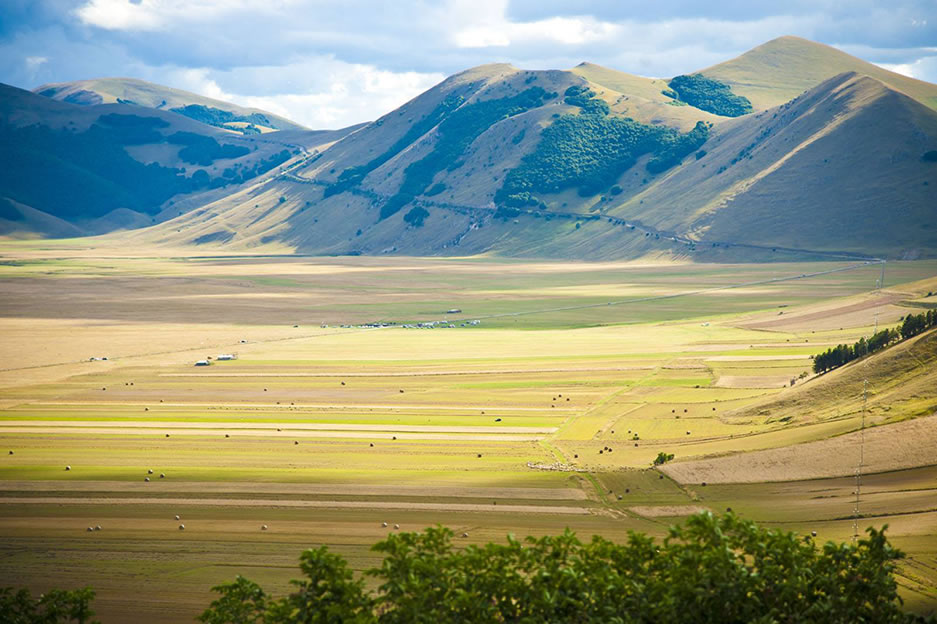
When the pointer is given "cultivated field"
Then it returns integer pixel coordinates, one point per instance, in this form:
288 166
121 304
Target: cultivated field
545 414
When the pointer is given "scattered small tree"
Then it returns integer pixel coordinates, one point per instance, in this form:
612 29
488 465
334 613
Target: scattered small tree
662 458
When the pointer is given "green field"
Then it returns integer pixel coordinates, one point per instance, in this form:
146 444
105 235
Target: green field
546 414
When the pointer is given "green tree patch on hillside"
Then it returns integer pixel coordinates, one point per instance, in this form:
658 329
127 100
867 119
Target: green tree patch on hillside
709 95
589 152
711 569
219 118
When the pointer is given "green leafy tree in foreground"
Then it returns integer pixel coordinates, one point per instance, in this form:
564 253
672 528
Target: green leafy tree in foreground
56 606
711 569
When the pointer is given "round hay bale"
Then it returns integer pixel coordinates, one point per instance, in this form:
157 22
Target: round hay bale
162 475
147 479
465 535
395 437
343 383
97 528
278 429
90 529
688 433
182 527
576 456
620 497
263 527
384 524
67 468
227 436
479 454
703 484
397 526
149 471
401 391
813 533
167 435
177 516
295 442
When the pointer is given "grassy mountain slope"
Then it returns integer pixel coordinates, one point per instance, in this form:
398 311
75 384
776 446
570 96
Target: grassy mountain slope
594 163
783 68
839 168
146 94
109 166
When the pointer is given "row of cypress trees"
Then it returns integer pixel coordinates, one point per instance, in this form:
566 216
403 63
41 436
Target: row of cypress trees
835 357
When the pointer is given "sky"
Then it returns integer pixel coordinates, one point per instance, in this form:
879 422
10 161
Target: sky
329 64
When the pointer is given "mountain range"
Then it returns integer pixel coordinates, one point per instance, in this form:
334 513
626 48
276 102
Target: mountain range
794 149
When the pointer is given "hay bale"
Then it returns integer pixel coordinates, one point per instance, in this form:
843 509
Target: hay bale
162 475
150 471
67 468
97 528
177 516
397 526
263 527
182 527
226 435
372 444
384 524
479 454
167 435
465 535
90 529
147 479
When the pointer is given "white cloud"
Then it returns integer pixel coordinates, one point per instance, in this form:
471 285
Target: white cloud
319 93
163 14
906 69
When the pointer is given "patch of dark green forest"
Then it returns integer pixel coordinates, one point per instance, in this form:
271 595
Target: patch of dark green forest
219 118
351 177
709 95
455 134
589 151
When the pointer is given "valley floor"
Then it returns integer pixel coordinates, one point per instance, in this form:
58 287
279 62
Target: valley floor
335 418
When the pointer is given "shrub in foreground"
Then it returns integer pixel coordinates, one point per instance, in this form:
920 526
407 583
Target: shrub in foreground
710 569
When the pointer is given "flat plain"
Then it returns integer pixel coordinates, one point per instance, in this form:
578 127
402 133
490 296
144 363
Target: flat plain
341 413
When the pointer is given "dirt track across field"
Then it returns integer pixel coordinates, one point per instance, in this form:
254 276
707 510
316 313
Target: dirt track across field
237 502
129 425
268 489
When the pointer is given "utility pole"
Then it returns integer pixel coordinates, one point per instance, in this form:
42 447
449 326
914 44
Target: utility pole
881 279
855 511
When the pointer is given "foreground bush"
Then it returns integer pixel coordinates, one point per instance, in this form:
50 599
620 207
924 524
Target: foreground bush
54 607
709 570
